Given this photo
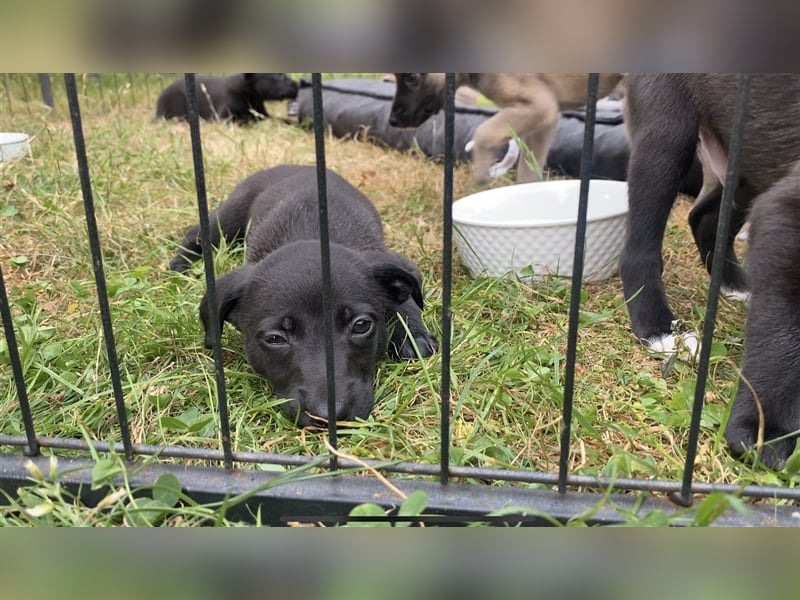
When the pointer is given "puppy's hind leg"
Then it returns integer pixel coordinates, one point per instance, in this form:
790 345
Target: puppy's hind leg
771 370
703 220
188 252
229 220
190 249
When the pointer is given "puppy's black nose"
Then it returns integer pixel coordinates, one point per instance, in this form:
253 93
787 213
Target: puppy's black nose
397 117
342 412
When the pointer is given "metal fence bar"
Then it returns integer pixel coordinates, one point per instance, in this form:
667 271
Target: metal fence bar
679 490
421 469
132 88
325 255
447 269
684 498
147 86
330 499
97 77
97 260
8 94
117 91
32 446
23 82
587 153
46 88
208 262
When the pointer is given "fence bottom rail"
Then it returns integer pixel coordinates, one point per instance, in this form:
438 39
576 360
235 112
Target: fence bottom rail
329 499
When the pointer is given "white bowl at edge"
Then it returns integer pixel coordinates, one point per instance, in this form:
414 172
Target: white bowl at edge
12 144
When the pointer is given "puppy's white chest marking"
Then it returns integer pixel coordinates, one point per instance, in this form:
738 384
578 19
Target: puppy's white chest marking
735 295
715 153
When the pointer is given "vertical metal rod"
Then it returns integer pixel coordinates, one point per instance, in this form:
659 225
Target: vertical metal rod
98 77
447 269
97 260
684 498
587 154
147 86
23 79
327 304
117 91
133 88
208 262
8 94
32 449
47 90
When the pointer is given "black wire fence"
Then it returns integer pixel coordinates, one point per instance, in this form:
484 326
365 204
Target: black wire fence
560 496
19 92
106 91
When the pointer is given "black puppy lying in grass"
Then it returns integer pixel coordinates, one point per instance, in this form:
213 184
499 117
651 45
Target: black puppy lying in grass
275 299
238 98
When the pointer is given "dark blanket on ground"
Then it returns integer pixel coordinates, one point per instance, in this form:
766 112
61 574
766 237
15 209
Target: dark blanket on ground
361 107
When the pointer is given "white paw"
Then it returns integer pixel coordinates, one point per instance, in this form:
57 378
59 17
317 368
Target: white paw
735 295
509 160
609 104
685 343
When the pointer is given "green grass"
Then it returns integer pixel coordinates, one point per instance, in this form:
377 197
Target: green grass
509 336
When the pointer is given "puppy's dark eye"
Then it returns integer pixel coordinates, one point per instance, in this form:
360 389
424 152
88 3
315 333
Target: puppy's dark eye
361 326
274 339
412 78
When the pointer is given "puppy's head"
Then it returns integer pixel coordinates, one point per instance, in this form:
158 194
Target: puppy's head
418 97
272 86
277 305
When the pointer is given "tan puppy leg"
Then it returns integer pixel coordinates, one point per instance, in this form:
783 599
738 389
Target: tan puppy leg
535 124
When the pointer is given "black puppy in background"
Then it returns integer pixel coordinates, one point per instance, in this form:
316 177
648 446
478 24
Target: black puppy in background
233 98
668 114
275 299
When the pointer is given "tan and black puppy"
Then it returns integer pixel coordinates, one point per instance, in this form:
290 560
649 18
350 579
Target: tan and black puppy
275 299
668 115
530 105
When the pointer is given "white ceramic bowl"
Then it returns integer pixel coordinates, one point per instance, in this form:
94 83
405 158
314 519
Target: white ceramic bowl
530 228
12 145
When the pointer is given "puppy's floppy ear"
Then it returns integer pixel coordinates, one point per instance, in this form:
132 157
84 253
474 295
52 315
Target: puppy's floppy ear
398 276
230 289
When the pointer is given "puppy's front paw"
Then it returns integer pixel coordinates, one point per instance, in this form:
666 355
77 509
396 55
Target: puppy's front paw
685 345
179 264
424 341
427 343
508 162
481 161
